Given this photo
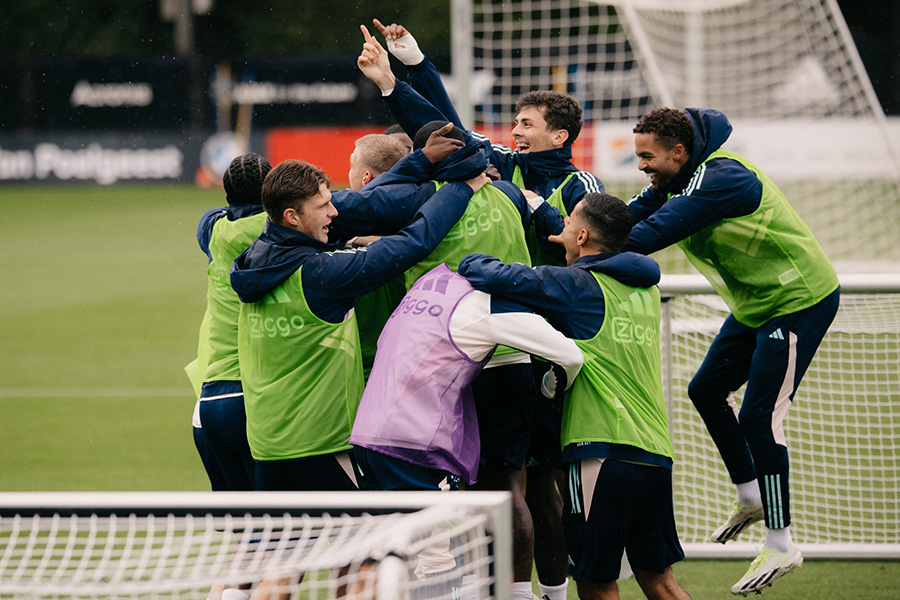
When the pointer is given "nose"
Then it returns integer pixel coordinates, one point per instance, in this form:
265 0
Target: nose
642 164
333 213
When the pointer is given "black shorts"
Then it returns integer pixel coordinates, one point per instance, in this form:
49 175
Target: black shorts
324 473
619 507
385 473
504 402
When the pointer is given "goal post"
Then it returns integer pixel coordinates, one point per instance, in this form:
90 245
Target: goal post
167 545
785 72
843 428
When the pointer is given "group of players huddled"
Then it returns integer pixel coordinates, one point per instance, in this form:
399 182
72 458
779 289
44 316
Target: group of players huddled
472 316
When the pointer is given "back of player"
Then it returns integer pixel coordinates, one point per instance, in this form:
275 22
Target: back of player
224 233
419 408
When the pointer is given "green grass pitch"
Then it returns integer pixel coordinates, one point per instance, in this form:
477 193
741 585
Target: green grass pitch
101 294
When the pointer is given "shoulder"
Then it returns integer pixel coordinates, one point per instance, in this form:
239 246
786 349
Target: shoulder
723 172
590 182
508 188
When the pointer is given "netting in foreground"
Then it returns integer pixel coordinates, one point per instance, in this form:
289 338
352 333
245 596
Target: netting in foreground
143 554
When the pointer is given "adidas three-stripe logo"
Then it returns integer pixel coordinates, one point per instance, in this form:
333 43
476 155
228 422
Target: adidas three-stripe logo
777 335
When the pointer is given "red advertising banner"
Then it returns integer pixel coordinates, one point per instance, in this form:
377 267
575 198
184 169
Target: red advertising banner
328 148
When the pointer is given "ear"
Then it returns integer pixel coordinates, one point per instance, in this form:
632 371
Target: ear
367 177
560 137
291 217
584 237
679 154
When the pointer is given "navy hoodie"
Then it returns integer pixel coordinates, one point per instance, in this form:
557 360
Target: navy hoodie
702 193
568 297
389 202
334 277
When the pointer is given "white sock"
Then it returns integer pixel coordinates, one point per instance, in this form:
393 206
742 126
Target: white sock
234 594
778 540
748 493
553 592
521 590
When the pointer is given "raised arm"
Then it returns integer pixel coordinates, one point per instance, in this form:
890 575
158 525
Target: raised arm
421 73
330 278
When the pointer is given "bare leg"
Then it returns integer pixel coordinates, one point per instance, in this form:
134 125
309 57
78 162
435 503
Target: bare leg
660 586
545 504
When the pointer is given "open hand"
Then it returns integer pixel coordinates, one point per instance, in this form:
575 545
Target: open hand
438 147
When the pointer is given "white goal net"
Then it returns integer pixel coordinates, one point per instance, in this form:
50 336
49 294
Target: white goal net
843 428
356 545
785 72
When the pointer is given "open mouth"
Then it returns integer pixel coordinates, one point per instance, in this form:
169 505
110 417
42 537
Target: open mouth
523 146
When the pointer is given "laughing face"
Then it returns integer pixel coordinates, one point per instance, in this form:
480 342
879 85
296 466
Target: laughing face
531 133
660 165
316 215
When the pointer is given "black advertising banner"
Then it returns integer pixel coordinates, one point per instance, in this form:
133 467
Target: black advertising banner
162 93
149 93
118 157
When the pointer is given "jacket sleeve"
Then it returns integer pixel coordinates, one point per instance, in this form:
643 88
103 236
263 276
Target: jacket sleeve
547 221
377 210
330 277
412 168
410 109
581 183
720 189
502 157
542 289
530 333
205 227
426 80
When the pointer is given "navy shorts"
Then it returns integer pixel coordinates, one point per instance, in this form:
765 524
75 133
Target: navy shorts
225 425
504 401
326 473
613 506
377 471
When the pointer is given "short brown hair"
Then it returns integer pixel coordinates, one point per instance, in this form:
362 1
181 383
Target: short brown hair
561 111
670 126
380 152
289 185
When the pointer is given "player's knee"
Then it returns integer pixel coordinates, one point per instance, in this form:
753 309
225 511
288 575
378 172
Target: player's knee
703 394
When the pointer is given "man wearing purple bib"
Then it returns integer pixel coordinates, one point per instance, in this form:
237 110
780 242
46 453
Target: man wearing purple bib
416 426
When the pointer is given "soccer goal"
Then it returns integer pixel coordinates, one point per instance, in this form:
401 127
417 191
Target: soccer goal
785 72
311 546
843 429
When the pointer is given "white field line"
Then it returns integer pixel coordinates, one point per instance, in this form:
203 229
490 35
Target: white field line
123 393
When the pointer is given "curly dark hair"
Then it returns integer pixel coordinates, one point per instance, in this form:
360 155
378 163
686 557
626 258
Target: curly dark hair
609 217
670 126
561 111
244 178
289 185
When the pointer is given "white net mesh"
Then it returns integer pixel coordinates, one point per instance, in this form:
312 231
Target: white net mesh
843 429
196 554
785 72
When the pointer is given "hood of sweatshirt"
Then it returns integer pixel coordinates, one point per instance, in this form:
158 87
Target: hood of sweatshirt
464 164
629 268
272 257
711 130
